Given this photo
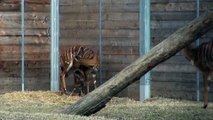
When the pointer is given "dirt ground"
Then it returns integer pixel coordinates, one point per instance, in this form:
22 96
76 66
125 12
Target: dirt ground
48 106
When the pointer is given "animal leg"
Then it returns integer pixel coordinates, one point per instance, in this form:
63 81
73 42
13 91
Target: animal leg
94 80
95 85
206 88
87 85
72 91
63 84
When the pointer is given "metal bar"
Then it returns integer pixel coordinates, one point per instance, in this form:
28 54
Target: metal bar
197 43
22 45
100 42
54 45
144 45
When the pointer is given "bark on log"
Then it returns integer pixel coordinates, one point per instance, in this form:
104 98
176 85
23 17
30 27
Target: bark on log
97 99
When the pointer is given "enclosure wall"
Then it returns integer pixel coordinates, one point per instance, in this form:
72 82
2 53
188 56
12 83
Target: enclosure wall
36 45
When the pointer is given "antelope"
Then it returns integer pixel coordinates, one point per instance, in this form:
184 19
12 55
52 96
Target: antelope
79 79
78 57
202 58
90 74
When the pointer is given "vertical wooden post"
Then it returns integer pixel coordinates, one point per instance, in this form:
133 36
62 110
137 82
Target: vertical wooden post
54 45
144 45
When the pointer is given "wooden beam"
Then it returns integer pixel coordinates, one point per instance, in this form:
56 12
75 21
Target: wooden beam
97 99
27 1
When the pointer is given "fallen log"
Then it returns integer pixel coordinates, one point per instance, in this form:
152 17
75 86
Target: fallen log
97 99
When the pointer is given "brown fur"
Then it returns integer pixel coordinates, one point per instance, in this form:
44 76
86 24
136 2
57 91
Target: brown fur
78 57
200 57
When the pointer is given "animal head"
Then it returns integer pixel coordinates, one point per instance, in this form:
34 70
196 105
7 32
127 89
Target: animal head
79 75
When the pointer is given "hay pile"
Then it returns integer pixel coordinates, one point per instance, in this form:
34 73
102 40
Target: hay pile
38 105
45 97
48 106
156 108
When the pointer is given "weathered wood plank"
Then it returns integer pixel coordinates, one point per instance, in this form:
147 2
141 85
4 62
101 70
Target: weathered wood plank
120 16
121 41
28 57
180 6
29 40
120 33
125 16
133 8
12 88
80 9
27 1
29 81
112 51
30 72
43 87
28 7
9 7
17 74
168 24
39 24
117 2
121 24
79 24
170 16
38 1
12 16
173 77
95 2
70 2
30 32
89 33
175 86
107 41
29 49
174 68
161 33
118 50
109 24
37 8
27 64
175 1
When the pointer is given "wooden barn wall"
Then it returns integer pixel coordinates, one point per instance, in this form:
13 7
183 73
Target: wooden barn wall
37 20
176 77
120 38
